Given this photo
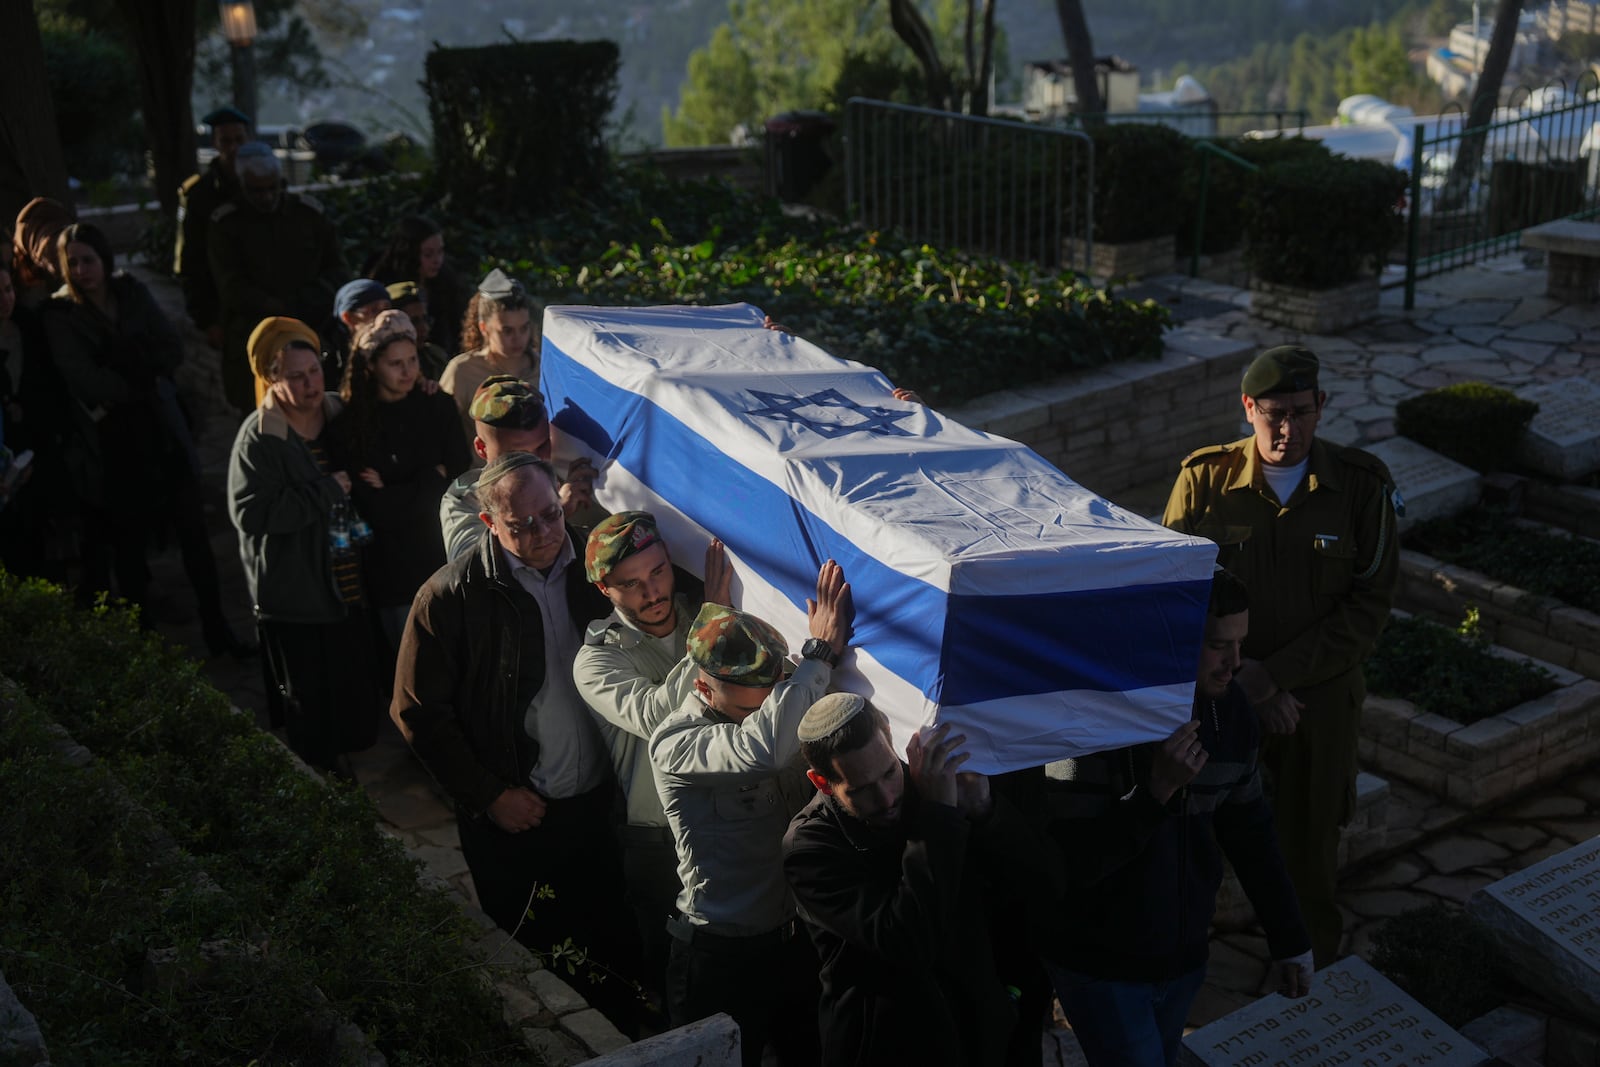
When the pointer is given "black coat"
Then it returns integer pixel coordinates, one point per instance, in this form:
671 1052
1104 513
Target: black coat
463 679
900 918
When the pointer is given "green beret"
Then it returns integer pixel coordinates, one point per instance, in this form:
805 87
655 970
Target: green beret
508 403
615 539
222 116
1284 369
830 713
732 646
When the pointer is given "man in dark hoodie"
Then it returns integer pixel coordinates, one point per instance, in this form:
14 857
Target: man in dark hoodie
1128 951
897 869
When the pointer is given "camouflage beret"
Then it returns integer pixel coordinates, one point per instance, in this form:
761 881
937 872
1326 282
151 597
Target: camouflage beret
507 402
732 646
1284 369
615 539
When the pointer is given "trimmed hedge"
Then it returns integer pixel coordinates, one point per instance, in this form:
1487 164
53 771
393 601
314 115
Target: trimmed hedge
1228 186
1322 223
326 898
1450 672
1471 422
1138 180
519 125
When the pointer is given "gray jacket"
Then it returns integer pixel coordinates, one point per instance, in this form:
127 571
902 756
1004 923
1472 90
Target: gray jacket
633 682
729 790
458 515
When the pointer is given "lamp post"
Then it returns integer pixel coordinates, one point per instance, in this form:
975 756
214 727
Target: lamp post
239 28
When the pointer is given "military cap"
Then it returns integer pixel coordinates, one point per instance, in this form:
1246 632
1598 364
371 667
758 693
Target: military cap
498 286
615 539
732 646
507 402
222 116
829 714
1283 369
358 293
403 293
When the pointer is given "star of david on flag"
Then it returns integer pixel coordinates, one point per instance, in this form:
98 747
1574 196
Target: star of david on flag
874 420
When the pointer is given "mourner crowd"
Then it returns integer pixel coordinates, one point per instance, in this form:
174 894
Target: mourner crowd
637 765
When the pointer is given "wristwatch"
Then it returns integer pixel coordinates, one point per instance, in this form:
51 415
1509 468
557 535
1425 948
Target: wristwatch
817 648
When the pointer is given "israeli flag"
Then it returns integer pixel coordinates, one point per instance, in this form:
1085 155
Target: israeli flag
991 591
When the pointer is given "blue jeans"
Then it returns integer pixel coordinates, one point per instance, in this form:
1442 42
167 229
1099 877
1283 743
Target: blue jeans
1126 1024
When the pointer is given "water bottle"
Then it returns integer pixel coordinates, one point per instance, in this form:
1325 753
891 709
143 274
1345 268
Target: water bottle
360 532
339 529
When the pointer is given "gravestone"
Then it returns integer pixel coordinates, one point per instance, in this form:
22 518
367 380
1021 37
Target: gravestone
1353 1016
1546 920
1563 440
1432 485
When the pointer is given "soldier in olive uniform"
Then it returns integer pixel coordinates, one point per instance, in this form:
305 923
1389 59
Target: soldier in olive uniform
721 765
1310 528
198 198
271 253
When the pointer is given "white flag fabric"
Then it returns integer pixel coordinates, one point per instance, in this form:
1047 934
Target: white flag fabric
991 591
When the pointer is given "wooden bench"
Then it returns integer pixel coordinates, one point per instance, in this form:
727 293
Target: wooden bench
1574 247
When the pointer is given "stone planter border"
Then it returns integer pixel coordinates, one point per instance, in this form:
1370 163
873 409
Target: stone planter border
1476 765
1539 626
1571 507
1319 311
1124 259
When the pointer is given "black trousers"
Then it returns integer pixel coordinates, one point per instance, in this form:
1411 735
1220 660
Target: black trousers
324 675
650 864
768 983
561 881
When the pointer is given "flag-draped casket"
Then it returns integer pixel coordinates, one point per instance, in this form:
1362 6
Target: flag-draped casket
991 591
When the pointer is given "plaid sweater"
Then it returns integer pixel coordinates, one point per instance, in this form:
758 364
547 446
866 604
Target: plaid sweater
1145 876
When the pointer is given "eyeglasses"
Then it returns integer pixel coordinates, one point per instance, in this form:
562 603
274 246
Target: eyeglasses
551 518
1278 416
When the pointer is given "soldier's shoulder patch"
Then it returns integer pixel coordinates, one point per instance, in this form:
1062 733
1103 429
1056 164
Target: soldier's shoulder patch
1209 452
223 211
603 632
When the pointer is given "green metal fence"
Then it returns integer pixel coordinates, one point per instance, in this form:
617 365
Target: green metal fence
1202 123
1474 190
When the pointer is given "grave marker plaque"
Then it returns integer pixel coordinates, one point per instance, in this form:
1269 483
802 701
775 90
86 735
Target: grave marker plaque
1564 438
1353 1016
1432 485
1546 920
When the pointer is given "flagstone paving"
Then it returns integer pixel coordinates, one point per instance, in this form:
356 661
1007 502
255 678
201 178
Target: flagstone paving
1491 321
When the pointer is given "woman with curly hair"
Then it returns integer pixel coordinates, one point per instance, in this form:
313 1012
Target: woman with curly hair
416 254
402 447
502 329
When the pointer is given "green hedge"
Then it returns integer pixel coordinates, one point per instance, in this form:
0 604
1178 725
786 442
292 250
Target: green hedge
1471 422
1450 672
1322 223
1138 180
1228 184
518 126
308 879
1540 561
950 324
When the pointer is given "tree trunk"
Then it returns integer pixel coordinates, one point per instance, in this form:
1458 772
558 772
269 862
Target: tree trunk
980 88
1080 53
163 36
31 163
1469 150
912 28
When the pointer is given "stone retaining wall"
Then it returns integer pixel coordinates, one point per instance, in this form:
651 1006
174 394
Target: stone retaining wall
1321 311
1572 507
1125 424
1539 626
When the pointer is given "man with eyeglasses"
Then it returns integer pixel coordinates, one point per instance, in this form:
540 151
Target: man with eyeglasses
1309 527
484 695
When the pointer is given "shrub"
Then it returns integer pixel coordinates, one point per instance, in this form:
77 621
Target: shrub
1441 957
1450 672
1319 224
1471 422
1540 561
89 77
302 863
1138 175
1227 185
521 124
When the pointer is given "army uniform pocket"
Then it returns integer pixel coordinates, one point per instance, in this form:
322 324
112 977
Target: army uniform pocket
1334 559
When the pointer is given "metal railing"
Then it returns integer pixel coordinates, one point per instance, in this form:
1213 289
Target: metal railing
1206 150
988 185
1526 168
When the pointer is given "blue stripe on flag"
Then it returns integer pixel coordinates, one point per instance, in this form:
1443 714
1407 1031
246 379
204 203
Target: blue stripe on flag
993 647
